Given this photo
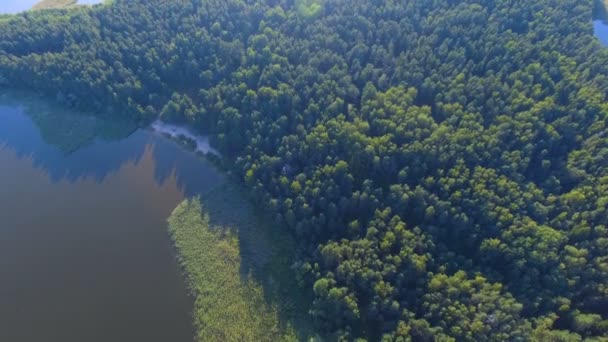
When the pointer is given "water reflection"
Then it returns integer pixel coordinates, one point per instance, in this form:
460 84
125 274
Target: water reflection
600 21
83 237
600 29
72 146
84 251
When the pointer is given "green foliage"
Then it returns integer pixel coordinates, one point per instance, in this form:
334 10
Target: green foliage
442 164
232 305
226 308
47 4
309 8
472 309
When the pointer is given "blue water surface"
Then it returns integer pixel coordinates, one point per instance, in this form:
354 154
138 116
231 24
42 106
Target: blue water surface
16 6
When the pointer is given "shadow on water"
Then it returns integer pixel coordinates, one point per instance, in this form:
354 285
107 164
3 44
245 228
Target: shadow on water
73 146
267 254
83 242
600 10
600 21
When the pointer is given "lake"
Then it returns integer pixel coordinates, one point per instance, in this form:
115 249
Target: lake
16 6
84 250
600 29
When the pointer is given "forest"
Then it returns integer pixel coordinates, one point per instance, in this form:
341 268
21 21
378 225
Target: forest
443 165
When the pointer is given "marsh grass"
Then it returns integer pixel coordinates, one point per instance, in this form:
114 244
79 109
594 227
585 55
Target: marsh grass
238 270
48 4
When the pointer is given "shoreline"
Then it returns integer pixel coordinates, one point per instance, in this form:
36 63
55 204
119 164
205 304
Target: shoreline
241 280
177 132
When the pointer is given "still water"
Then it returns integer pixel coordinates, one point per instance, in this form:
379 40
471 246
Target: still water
600 29
16 6
84 249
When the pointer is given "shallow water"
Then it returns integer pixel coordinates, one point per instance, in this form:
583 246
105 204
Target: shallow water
16 6
84 249
600 29
175 131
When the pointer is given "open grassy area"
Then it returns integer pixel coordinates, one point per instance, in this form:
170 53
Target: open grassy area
47 4
238 270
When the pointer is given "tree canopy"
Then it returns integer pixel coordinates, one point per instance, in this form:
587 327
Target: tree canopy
443 164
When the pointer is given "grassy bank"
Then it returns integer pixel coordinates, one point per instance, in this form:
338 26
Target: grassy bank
47 4
238 270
